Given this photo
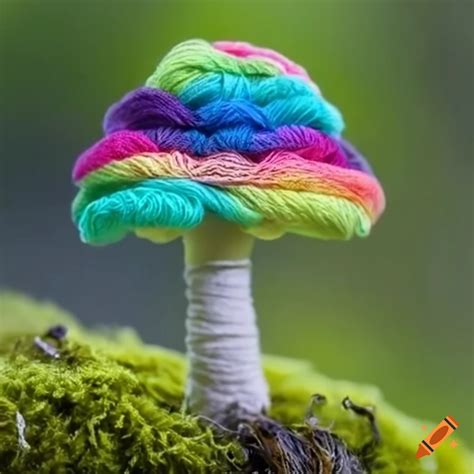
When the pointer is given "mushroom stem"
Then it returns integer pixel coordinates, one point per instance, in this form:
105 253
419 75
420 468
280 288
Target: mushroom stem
222 340
216 239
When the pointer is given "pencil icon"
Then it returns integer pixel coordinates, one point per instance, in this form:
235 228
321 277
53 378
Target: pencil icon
437 436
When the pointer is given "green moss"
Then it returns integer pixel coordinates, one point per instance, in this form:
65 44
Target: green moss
110 403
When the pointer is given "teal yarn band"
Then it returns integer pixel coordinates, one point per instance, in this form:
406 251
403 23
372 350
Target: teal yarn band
283 100
112 212
170 203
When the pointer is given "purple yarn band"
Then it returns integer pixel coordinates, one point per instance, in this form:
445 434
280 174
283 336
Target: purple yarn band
146 107
228 126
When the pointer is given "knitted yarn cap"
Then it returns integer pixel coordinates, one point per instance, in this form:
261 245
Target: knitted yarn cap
229 129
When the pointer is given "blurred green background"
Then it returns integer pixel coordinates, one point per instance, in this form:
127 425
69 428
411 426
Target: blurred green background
395 310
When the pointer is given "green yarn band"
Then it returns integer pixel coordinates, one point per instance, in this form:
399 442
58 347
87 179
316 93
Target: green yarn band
189 60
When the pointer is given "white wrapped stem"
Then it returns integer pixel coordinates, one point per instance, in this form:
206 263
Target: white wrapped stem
222 340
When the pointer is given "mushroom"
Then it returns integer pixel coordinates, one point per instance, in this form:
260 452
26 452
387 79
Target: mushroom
226 143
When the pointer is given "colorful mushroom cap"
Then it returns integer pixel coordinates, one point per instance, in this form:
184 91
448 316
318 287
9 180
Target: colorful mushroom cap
230 129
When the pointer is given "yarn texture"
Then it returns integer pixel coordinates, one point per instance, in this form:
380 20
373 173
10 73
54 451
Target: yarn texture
229 129
111 403
222 334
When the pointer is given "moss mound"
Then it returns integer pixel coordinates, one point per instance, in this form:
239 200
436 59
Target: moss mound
112 404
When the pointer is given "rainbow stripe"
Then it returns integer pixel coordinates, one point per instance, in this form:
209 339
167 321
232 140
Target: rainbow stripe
260 148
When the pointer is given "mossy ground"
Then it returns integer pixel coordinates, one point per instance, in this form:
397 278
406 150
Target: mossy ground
111 404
